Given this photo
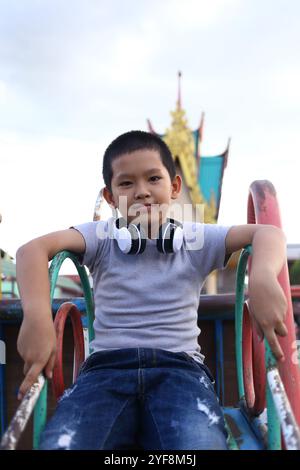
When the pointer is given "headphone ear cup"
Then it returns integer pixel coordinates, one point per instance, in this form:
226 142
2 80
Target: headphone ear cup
122 235
178 238
170 237
138 239
131 239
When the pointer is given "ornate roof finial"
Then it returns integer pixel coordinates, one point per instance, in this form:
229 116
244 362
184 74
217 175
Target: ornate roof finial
201 125
179 91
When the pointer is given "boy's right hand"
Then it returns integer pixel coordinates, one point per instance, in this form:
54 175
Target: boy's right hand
37 346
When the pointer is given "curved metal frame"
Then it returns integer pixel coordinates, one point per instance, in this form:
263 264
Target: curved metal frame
263 208
67 309
274 439
282 390
40 410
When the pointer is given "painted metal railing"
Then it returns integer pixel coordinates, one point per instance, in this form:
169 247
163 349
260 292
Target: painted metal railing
36 397
281 418
281 421
40 410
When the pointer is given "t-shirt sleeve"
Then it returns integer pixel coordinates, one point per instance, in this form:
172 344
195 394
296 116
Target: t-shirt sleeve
211 253
95 242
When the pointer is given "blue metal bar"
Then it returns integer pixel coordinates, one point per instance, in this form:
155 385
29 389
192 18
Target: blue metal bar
242 431
3 407
219 361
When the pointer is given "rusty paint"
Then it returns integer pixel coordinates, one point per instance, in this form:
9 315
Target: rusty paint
98 206
260 189
290 429
235 430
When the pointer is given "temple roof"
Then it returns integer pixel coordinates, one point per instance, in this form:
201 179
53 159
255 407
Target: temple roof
202 175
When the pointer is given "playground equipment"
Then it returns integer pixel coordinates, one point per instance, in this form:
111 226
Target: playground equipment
263 385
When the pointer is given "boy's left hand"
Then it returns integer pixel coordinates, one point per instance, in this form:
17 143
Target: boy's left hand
267 307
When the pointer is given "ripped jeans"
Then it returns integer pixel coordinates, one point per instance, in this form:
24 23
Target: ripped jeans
138 398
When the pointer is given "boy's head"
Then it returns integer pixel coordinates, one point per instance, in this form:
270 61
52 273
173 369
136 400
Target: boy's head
130 142
138 168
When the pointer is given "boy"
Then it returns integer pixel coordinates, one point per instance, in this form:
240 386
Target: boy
145 384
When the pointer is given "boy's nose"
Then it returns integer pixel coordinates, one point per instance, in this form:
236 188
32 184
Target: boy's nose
141 192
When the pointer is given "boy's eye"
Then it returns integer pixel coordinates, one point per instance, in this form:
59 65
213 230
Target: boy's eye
155 178
125 183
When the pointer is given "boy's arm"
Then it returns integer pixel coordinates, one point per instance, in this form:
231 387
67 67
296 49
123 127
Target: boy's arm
37 340
267 302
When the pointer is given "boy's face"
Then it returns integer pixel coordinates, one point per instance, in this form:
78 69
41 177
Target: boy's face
142 189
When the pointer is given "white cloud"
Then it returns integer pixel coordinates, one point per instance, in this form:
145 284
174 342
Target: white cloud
47 184
198 13
3 91
282 85
131 55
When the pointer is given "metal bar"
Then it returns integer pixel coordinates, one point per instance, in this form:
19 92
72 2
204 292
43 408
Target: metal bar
3 408
274 434
290 429
239 303
40 415
219 361
40 411
17 425
231 442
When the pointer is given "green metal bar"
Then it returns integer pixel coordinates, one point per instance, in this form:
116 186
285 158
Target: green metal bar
239 303
40 410
274 432
53 273
40 415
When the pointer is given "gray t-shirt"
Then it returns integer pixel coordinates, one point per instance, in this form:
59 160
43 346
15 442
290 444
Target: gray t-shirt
150 300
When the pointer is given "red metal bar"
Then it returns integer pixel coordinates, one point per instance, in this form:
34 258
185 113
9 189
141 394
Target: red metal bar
65 310
295 291
263 208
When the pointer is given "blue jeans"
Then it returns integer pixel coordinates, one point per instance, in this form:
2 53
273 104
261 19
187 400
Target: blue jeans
138 398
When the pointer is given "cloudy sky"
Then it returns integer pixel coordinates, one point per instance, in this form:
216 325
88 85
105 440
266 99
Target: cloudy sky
75 74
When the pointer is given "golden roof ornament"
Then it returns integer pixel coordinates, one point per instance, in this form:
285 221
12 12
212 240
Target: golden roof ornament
180 139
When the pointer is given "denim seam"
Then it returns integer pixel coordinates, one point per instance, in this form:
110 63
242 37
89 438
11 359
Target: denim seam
157 429
141 385
114 422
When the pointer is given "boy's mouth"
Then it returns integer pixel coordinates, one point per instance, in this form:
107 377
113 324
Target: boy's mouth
143 213
138 207
138 212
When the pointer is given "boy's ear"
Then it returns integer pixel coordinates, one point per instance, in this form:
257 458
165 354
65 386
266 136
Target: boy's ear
176 187
108 197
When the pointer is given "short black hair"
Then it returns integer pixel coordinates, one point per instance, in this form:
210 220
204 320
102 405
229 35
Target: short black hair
131 141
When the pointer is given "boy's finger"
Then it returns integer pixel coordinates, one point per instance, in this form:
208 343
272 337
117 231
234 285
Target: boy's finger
257 328
50 366
30 379
26 368
275 346
281 329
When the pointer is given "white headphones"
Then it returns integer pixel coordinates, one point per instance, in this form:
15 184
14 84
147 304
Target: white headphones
131 238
